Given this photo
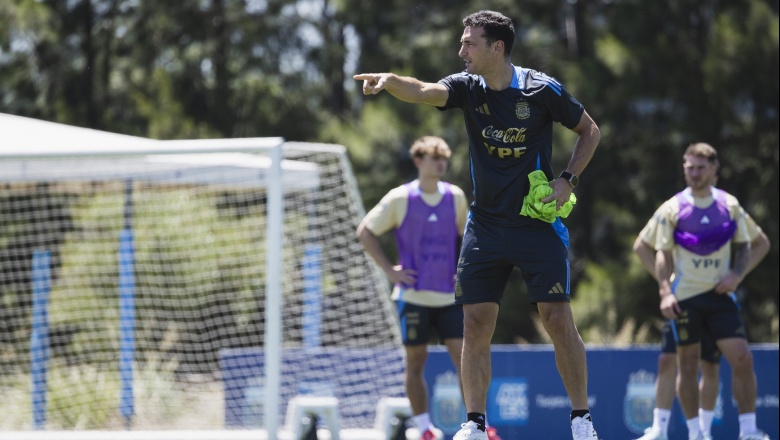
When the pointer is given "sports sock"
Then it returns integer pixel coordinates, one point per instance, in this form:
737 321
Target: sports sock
747 423
705 420
661 419
693 427
579 413
422 421
477 418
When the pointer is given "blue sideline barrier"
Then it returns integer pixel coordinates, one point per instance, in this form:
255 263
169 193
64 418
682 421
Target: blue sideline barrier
526 397
358 377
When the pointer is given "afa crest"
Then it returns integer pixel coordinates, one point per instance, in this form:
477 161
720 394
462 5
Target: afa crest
639 401
447 407
522 111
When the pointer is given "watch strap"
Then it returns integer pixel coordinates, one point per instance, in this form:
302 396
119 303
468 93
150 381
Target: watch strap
571 178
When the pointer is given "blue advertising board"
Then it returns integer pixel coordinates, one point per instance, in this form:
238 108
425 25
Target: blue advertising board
358 377
526 398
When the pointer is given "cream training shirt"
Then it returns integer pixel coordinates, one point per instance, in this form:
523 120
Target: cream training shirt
389 214
694 274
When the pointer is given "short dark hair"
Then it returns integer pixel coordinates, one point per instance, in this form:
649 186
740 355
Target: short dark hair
703 150
496 25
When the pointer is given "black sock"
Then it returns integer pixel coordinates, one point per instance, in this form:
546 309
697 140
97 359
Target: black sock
580 413
479 419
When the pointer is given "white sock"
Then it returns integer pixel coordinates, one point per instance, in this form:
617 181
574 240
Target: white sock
705 420
422 421
693 427
661 419
747 423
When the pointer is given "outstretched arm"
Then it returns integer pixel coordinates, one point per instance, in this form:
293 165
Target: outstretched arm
405 88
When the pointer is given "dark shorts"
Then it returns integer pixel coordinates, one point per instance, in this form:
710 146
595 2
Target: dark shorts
488 255
709 349
418 322
711 313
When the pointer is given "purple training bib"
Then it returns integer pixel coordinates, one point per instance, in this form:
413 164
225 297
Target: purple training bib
427 240
704 230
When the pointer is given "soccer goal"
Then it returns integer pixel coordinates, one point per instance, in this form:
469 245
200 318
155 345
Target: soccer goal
187 286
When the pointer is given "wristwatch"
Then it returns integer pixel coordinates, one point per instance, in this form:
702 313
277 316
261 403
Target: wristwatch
571 178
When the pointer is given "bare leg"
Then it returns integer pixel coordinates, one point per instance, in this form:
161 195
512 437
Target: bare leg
666 383
455 349
416 388
743 377
569 350
688 379
709 385
479 322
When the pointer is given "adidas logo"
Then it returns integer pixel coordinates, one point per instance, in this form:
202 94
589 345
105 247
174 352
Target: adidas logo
483 109
433 218
556 289
705 220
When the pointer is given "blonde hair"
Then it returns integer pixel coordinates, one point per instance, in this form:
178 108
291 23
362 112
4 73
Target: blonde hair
433 146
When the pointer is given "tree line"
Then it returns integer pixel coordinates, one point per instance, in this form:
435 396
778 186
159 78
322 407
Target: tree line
654 75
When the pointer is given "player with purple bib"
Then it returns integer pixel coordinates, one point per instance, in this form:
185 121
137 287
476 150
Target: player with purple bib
428 217
710 355
706 244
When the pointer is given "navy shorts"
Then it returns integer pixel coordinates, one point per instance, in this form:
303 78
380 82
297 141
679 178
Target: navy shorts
489 253
711 313
709 349
417 322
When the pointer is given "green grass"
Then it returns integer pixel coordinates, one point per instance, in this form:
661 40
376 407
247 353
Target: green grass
85 397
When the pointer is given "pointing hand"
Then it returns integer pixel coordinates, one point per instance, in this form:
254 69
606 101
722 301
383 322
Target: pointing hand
373 83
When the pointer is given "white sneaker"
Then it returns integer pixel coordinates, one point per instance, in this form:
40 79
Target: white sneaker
582 428
469 431
758 435
653 433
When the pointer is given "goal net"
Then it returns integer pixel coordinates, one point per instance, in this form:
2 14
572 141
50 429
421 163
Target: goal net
134 293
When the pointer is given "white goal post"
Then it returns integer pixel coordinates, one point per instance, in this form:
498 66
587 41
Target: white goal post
186 285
